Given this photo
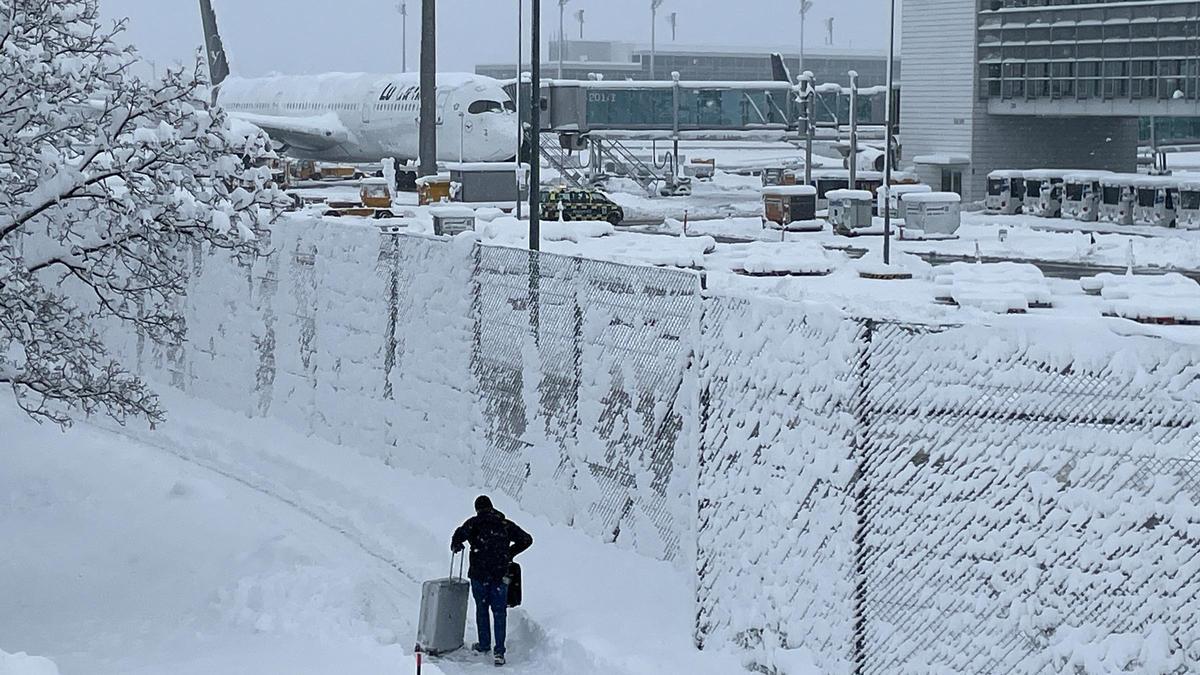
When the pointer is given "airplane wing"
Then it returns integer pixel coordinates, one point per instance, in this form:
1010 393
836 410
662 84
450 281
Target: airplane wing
314 133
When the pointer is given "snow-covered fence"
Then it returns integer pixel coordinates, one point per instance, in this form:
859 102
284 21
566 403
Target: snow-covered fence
342 332
422 352
776 521
880 498
588 400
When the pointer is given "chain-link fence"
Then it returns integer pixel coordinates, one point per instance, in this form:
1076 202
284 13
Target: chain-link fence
970 499
586 393
1015 498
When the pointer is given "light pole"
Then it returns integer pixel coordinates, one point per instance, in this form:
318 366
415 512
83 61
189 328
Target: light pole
535 128
805 5
517 102
428 139
654 5
579 18
403 7
887 145
673 19
562 36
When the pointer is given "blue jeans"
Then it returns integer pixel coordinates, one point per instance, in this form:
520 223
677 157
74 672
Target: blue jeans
493 596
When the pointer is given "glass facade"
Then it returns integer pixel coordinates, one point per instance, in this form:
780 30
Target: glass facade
1104 49
717 108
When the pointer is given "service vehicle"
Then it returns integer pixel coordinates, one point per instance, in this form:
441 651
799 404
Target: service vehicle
375 201
579 204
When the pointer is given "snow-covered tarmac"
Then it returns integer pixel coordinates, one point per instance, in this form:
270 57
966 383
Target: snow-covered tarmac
218 544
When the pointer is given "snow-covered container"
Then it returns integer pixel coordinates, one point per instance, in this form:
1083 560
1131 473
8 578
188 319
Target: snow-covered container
451 220
828 180
1156 298
793 258
772 175
700 169
1154 200
486 182
894 200
1005 192
1002 287
433 189
932 214
1081 195
849 210
1187 209
1043 192
1117 198
791 207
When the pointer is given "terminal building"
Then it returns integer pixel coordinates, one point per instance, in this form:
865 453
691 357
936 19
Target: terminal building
991 84
583 59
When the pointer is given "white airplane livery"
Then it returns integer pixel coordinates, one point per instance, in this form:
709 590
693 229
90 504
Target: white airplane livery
362 117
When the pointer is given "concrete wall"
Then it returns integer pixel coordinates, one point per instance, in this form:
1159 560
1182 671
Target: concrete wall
937 100
1005 142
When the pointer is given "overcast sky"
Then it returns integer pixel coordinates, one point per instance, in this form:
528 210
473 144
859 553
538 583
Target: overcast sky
308 36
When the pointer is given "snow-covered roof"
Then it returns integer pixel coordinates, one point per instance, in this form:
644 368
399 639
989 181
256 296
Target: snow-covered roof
903 189
863 195
933 197
372 180
845 174
942 159
435 178
1085 176
667 84
1120 179
452 212
1006 173
1046 174
789 190
1156 182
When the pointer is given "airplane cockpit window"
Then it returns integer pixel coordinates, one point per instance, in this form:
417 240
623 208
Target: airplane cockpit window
484 106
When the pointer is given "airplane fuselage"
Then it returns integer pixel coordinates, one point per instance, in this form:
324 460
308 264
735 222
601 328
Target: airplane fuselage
359 117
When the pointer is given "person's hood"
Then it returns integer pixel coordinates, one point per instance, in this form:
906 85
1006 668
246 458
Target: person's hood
491 513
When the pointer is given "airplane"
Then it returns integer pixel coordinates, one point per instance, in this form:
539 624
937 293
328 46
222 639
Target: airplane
363 117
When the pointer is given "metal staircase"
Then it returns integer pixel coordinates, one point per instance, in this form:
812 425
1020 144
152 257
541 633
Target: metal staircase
554 155
617 160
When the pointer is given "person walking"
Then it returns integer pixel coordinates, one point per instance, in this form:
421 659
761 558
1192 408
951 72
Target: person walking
495 541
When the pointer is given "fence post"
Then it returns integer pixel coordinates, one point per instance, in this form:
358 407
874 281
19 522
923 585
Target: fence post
392 254
860 494
535 278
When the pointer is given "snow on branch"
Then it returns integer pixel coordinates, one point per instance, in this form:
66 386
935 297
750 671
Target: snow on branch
106 181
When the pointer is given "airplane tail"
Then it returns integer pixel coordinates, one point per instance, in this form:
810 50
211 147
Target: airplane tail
779 69
218 65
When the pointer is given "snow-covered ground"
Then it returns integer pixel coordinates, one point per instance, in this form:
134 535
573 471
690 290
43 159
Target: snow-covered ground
218 544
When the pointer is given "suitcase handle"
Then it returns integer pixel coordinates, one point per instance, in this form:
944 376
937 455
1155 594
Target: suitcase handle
461 563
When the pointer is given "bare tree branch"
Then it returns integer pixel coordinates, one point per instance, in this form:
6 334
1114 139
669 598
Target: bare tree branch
107 181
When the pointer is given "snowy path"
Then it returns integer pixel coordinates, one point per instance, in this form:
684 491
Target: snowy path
220 544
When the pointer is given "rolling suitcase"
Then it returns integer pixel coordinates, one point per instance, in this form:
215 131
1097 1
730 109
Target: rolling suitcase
443 619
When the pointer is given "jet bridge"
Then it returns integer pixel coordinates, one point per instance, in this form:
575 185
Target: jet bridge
599 114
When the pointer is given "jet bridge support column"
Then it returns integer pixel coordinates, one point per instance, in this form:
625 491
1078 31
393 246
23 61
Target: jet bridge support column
810 124
852 165
675 125
595 160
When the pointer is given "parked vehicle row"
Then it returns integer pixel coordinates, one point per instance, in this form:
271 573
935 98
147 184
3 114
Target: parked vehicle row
1090 196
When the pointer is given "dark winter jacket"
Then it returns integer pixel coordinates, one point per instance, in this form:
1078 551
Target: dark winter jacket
494 540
